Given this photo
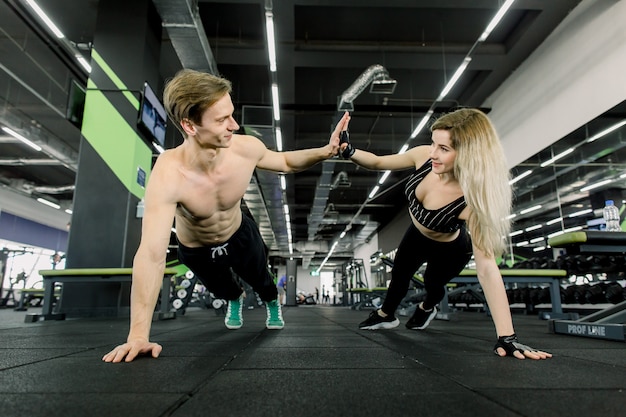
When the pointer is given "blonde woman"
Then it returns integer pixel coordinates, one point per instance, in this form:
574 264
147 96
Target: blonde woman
460 188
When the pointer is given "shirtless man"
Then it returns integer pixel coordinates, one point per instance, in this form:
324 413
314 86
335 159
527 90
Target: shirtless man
200 184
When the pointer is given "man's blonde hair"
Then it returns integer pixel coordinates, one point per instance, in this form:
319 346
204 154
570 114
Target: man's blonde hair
190 93
481 169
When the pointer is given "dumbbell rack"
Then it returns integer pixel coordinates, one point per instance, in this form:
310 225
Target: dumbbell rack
604 324
185 293
608 323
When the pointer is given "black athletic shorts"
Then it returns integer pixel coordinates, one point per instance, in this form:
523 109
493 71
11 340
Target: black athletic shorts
219 266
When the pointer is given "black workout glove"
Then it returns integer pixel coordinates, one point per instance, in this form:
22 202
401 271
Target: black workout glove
510 344
347 153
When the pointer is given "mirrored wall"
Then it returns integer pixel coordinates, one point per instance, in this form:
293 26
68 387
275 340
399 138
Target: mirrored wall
564 187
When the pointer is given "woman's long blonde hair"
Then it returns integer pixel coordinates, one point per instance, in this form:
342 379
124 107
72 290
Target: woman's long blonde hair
481 169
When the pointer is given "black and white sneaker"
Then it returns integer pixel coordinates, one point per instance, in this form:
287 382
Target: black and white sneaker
421 319
375 322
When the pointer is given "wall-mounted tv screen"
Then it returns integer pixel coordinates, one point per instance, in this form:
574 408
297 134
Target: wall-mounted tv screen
75 104
152 116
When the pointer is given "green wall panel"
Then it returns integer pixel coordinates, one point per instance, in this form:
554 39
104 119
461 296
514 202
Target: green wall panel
117 142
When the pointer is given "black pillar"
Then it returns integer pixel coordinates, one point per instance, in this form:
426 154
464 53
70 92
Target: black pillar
292 282
114 157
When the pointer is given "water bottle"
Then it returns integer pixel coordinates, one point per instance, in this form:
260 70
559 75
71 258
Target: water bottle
611 217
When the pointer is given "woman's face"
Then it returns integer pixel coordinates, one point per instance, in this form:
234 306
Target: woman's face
441 152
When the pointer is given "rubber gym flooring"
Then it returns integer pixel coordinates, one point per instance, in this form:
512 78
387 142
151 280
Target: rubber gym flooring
320 364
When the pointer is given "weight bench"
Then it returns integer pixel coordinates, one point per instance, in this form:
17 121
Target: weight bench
366 295
552 277
28 294
88 275
591 241
604 324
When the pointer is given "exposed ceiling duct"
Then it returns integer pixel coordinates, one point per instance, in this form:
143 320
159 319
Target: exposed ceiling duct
184 27
377 75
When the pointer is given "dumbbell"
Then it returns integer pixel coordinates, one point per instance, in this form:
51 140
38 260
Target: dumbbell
594 294
614 293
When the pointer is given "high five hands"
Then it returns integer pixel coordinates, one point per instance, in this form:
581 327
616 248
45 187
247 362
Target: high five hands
335 138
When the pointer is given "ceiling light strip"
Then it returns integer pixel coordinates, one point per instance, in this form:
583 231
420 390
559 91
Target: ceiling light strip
44 17
557 157
21 138
606 131
57 32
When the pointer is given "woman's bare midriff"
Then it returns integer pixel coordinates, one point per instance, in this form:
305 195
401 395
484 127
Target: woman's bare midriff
431 234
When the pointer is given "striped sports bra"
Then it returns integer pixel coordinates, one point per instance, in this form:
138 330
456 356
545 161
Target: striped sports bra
443 220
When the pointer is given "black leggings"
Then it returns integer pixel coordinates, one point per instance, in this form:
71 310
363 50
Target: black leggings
244 254
444 262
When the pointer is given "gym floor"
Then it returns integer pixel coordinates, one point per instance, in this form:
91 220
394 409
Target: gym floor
320 364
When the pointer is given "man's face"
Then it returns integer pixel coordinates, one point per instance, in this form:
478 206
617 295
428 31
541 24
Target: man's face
218 124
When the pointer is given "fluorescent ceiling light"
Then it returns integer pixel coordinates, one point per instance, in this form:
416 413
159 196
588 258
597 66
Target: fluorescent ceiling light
421 125
557 233
596 185
384 177
496 19
537 239
374 191
580 213
551 222
44 17
271 44
560 232
283 182
520 176
454 78
403 149
279 139
538 249
21 138
515 233
606 131
49 203
557 157
82 61
535 227
528 210
275 102
158 147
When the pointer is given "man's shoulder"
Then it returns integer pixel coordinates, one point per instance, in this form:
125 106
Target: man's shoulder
248 146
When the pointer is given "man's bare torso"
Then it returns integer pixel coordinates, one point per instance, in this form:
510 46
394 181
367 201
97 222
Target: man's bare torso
208 200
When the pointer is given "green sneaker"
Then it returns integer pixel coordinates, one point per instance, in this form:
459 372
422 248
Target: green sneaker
234 319
274 315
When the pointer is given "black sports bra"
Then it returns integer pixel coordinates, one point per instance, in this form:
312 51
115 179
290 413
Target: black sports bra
444 219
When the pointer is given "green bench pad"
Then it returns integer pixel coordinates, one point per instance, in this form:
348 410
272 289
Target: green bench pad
93 272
